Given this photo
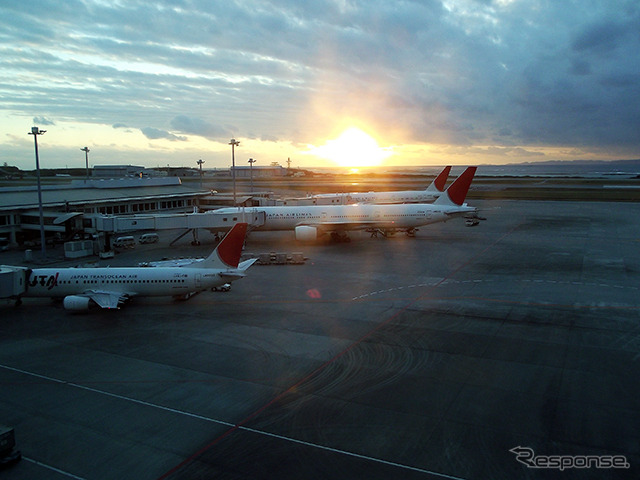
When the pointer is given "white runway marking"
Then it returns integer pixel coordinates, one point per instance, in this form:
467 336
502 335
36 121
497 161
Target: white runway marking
220 422
524 280
49 467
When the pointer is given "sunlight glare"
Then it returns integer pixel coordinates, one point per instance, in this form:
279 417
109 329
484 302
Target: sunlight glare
353 148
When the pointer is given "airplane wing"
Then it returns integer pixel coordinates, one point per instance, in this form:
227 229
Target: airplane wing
105 299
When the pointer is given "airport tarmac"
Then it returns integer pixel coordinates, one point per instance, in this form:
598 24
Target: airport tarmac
415 358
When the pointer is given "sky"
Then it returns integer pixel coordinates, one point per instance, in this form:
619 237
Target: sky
426 82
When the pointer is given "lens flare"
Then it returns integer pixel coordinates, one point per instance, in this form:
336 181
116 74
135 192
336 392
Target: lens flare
353 148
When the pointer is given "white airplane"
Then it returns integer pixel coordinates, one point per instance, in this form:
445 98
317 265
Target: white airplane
110 287
433 191
312 221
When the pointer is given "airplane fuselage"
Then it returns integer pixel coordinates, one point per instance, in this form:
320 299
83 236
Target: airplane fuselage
150 281
309 222
82 288
349 217
406 196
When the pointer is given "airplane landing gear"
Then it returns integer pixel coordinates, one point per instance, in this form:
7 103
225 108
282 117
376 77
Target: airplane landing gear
340 237
195 242
185 296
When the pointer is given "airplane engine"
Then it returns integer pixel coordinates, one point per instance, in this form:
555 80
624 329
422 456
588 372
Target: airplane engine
76 303
306 234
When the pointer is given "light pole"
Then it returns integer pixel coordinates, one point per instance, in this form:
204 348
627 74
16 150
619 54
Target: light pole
200 162
251 162
234 143
35 131
86 159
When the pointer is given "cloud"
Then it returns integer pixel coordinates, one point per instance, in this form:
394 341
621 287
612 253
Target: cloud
464 72
580 67
513 152
197 126
43 121
602 37
155 134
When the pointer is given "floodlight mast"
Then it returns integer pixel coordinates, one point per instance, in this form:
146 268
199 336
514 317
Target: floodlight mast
251 162
35 131
86 159
200 162
234 143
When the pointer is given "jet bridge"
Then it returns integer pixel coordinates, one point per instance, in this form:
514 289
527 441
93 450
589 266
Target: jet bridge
13 282
190 222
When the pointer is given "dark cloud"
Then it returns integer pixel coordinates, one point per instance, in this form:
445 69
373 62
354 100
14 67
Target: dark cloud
465 72
580 67
43 121
197 126
601 37
155 134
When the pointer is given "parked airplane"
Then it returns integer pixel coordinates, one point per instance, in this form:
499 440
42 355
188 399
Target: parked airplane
110 287
433 191
312 221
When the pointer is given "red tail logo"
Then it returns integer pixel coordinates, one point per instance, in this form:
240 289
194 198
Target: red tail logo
458 190
230 248
442 178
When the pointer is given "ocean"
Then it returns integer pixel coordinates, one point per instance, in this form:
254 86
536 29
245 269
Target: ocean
576 169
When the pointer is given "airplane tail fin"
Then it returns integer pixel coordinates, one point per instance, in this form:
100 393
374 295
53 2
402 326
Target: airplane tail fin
457 191
438 183
227 253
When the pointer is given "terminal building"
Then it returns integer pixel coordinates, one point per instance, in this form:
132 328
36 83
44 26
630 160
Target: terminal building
117 171
242 171
72 211
68 209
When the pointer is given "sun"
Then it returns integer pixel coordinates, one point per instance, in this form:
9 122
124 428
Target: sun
353 148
